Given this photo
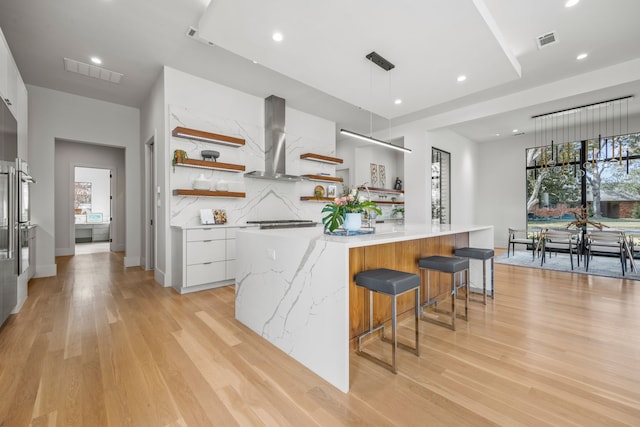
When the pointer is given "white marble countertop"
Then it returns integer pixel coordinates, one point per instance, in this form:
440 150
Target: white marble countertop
385 233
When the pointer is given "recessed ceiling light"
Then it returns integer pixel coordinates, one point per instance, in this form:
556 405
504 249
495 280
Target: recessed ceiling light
515 130
497 134
96 60
462 78
278 37
254 61
398 101
571 3
581 56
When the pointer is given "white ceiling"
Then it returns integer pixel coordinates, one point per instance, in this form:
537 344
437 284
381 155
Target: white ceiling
320 67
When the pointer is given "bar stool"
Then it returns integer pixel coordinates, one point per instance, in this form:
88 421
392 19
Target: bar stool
450 265
482 255
392 283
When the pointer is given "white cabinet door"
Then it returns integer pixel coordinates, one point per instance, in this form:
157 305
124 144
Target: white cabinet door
231 269
231 249
4 66
11 95
8 77
23 117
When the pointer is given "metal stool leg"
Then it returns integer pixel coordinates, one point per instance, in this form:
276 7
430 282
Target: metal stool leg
484 282
493 286
454 295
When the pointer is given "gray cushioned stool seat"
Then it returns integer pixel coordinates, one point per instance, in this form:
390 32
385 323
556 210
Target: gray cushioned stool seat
391 282
475 253
445 264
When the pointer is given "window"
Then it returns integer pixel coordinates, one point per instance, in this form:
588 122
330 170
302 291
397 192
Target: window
440 187
602 174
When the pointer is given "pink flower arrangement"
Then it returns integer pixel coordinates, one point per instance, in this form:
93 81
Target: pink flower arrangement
350 202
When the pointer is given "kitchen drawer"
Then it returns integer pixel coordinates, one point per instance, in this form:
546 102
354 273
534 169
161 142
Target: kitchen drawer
202 234
206 273
200 252
231 232
231 249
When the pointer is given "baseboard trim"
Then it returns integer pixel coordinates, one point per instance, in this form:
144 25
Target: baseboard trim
131 261
46 271
159 277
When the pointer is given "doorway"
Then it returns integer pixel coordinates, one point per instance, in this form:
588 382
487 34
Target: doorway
92 206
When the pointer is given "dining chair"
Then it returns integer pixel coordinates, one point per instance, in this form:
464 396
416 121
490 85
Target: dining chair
560 241
607 242
523 237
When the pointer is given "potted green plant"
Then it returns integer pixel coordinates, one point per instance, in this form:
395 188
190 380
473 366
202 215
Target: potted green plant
347 211
398 211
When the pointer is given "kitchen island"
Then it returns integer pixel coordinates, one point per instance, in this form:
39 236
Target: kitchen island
294 287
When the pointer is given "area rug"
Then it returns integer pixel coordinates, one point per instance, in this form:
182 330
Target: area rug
598 266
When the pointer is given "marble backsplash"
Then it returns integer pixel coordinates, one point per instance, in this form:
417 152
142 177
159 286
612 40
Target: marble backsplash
265 199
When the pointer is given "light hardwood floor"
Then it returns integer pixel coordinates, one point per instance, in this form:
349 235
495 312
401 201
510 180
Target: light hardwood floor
103 345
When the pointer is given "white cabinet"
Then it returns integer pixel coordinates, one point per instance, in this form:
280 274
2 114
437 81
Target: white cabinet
204 258
8 77
23 116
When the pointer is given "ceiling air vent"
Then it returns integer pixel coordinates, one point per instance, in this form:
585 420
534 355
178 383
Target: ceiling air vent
546 39
90 70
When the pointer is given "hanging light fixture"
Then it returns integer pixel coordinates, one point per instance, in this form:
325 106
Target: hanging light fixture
375 58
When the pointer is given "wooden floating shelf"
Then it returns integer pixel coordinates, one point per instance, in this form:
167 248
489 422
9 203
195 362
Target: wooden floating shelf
214 138
323 178
382 190
321 158
206 164
316 199
206 193
387 203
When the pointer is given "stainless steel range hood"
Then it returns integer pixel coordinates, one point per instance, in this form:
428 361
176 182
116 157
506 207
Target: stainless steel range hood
274 143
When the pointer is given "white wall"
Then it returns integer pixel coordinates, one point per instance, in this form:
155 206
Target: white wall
58 115
417 172
152 128
68 155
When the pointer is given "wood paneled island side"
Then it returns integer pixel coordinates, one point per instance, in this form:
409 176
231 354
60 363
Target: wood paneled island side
294 287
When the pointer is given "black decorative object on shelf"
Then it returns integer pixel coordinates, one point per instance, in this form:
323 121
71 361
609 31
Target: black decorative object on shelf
398 184
210 155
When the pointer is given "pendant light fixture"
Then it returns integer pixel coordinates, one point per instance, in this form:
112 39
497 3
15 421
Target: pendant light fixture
375 58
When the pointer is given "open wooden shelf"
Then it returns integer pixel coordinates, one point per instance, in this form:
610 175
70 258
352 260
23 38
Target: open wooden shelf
206 164
381 190
323 178
320 158
378 202
206 193
316 199
214 138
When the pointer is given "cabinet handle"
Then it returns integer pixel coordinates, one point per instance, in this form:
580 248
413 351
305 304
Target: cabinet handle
205 263
206 241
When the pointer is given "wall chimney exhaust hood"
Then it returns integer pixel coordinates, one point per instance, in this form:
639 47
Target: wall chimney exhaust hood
274 143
